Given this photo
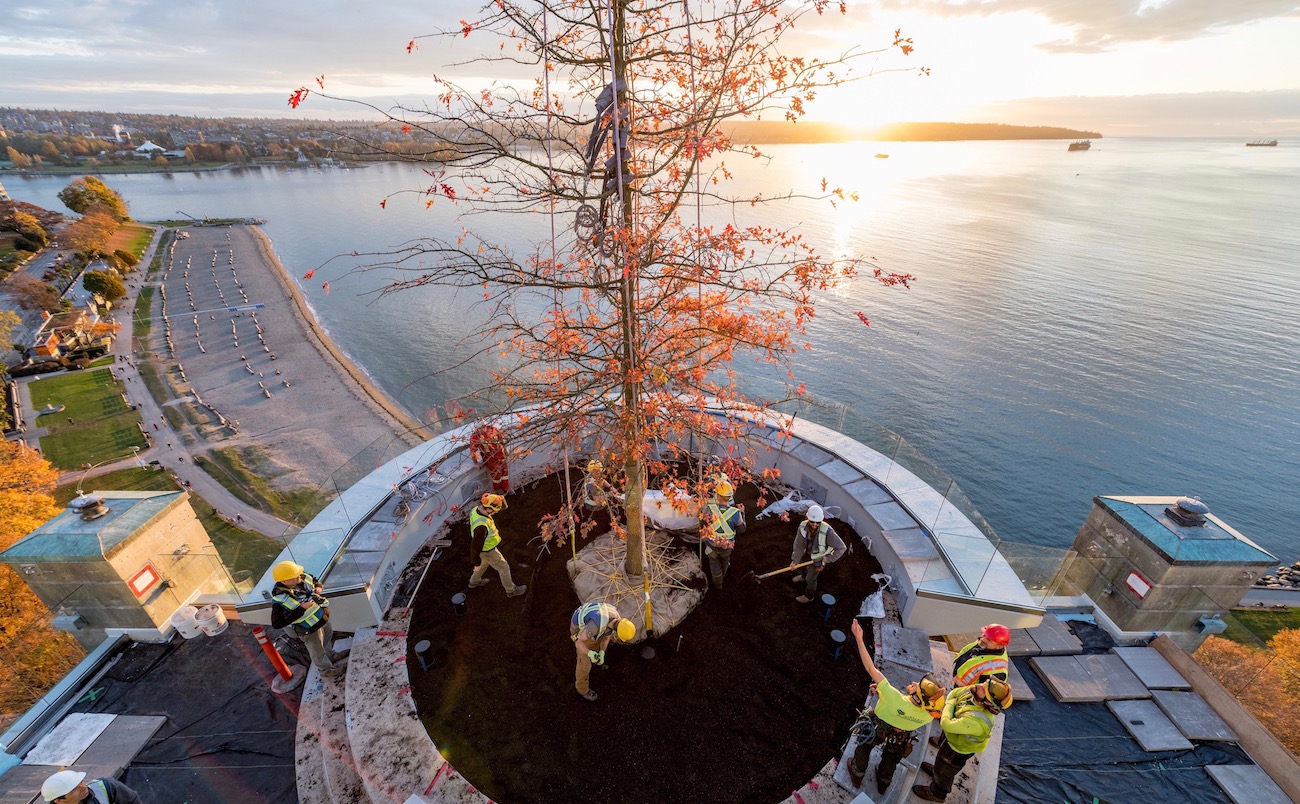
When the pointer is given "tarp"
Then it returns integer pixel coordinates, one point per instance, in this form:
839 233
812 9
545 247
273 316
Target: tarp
227 736
1081 754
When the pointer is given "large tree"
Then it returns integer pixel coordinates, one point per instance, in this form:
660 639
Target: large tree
31 293
626 321
35 655
108 285
88 192
91 233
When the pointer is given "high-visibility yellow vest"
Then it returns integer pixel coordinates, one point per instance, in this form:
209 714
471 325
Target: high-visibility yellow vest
594 613
979 666
99 791
720 531
477 519
312 612
821 550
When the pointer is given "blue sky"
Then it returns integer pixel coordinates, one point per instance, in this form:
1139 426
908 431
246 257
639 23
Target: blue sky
1136 67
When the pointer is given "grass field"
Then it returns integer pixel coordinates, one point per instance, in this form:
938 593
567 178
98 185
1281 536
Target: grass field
240 550
152 379
230 468
95 424
140 323
1263 624
132 237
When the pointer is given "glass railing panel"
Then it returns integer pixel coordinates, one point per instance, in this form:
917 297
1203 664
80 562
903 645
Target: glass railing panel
970 555
316 549
34 655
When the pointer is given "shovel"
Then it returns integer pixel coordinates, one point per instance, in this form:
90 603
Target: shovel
759 578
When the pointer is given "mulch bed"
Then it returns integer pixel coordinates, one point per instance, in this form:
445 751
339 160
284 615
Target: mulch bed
742 702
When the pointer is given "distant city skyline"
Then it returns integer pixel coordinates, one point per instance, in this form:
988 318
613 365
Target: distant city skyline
1124 67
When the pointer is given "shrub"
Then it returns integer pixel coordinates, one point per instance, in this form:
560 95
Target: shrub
126 257
25 243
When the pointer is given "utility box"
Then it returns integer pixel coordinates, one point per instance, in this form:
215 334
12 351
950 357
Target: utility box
120 562
1163 563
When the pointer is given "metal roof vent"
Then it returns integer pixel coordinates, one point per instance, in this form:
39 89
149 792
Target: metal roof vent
90 506
1188 512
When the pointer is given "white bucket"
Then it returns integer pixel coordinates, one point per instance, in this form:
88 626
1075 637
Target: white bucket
211 619
183 622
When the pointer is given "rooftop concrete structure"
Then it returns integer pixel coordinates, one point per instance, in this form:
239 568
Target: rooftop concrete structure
125 569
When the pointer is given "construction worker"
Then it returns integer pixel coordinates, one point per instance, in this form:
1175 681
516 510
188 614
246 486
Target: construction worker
967 722
981 660
484 539
723 522
894 720
823 546
591 628
69 786
594 496
487 447
299 606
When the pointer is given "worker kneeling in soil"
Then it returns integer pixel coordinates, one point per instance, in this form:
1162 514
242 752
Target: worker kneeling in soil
967 724
298 605
823 546
484 538
723 522
592 627
893 721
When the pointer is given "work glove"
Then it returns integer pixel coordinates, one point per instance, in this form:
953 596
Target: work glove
600 657
595 657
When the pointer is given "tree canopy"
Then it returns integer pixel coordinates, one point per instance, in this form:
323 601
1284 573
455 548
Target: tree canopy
625 322
91 233
88 192
31 293
107 285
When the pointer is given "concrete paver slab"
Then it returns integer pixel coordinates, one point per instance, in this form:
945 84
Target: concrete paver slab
1149 726
909 647
1020 691
67 741
1116 680
1247 784
1055 639
122 740
1022 644
1193 716
1152 668
1067 679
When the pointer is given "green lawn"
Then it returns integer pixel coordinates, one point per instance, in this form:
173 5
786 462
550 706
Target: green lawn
230 467
152 379
106 360
141 324
102 428
132 237
1263 624
240 550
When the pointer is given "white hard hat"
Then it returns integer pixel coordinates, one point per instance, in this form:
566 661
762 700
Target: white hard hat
61 784
815 513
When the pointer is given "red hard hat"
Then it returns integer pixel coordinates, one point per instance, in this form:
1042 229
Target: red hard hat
998 634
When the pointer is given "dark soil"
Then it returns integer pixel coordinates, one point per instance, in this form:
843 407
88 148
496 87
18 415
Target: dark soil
742 702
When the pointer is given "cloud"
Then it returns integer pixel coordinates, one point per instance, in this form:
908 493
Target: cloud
1100 25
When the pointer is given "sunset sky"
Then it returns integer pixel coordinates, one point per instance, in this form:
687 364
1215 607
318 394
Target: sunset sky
1125 67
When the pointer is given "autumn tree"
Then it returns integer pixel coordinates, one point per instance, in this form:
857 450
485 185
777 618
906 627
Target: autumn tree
91 233
30 293
33 656
19 160
83 194
627 320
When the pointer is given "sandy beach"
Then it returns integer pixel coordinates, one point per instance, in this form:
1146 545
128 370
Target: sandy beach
271 374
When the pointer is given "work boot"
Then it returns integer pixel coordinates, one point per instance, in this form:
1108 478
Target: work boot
926 793
936 740
797 578
717 581
856 775
589 695
928 769
338 656
473 585
519 590
803 599
882 784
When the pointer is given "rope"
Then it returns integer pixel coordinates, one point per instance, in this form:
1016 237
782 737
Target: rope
550 177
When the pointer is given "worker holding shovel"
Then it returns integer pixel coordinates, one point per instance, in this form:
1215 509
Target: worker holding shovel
823 545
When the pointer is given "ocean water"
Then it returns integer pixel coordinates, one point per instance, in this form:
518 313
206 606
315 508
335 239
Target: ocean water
1117 321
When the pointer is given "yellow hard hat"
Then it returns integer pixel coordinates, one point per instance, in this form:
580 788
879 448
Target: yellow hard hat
928 694
286 570
595 466
626 630
997 692
724 488
493 502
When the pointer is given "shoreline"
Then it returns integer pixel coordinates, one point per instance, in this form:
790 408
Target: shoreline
330 351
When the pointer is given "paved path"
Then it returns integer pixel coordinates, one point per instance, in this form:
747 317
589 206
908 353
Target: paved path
166 445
